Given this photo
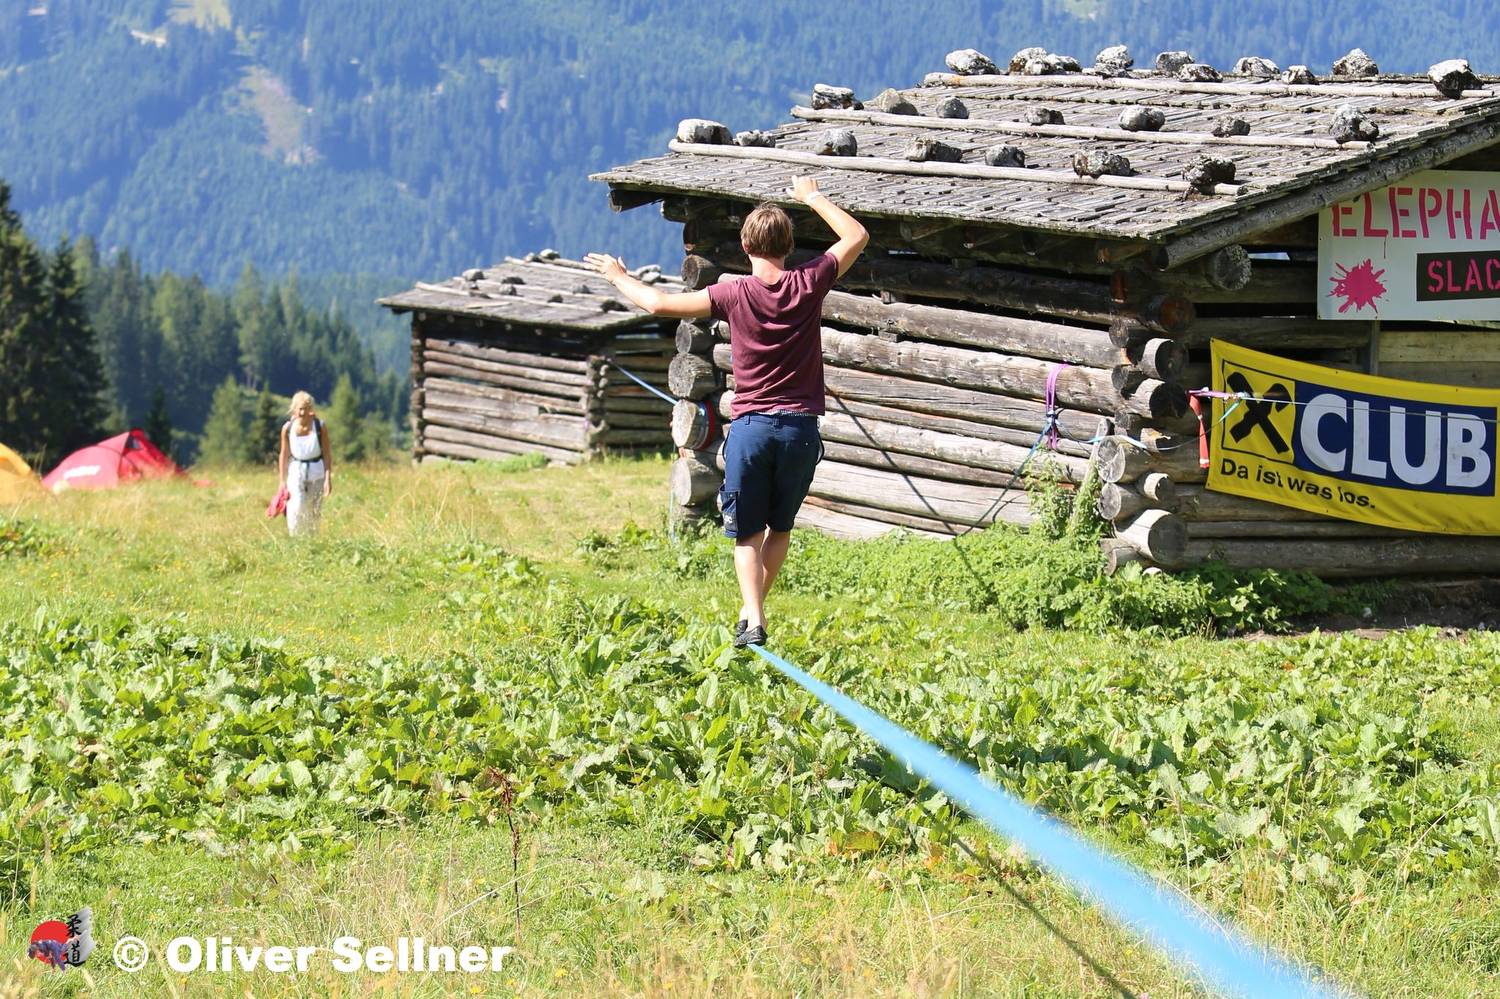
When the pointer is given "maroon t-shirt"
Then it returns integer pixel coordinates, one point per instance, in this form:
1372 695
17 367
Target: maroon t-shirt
775 338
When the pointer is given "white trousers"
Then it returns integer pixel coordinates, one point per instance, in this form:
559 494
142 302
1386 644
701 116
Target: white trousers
304 505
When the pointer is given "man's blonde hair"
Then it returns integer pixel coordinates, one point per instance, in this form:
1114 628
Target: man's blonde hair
767 232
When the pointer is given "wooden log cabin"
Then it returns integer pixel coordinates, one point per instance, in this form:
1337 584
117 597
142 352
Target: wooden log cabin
514 359
1052 243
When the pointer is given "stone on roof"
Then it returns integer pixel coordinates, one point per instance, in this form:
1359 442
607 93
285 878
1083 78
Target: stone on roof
544 291
1276 133
1257 67
1355 64
970 62
1113 61
1452 77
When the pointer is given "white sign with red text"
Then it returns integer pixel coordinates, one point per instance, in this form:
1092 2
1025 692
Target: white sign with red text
1427 247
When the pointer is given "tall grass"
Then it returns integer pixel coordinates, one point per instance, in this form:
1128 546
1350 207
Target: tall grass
615 897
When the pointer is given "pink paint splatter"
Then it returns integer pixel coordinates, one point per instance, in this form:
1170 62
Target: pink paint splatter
1358 287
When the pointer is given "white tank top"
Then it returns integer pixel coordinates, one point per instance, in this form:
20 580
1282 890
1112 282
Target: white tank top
306 450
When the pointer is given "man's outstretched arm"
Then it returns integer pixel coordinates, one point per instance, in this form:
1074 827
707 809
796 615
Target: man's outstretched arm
852 236
680 305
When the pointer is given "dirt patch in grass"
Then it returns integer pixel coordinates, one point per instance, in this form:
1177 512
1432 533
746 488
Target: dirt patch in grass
1453 605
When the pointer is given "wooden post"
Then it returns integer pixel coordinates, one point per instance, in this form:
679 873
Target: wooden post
948 448
694 337
417 400
1159 358
1122 460
932 468
693 482
621 200
1118 502
956 504
691 376
693 425
1159 488
1227 268
1157 534
1010 335
1117 554
1245 530
699 272
522 383
1425 555
1195 503
850 526
1261 333
972 412
1020 290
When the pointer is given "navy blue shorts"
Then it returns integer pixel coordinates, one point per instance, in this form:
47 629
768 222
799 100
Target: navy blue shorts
769 460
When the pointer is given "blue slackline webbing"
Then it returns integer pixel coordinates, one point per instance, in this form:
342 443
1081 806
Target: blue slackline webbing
710 417
1221 957
1000 498
641 382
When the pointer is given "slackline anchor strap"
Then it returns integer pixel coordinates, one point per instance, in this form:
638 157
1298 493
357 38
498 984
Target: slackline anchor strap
638 380
710 415
1052 411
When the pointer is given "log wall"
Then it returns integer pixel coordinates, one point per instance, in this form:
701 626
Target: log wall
938 346
486 391
937 377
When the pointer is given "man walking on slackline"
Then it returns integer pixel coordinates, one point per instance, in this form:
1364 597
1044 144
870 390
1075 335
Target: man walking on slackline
775 318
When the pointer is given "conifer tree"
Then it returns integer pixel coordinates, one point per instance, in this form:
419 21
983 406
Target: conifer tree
345 429
129 339
158 424
379 433
51 380
72 384
22 317
224 440
92 339
265 428
259 346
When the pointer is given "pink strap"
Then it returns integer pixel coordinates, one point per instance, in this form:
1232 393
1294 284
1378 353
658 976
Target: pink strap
1196 402
1052 410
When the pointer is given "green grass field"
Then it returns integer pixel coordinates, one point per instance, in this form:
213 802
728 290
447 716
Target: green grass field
210 729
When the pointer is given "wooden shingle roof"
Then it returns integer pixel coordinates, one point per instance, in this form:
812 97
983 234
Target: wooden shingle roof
1289 153
541 290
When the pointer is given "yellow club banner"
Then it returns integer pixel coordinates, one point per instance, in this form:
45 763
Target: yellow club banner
1359 447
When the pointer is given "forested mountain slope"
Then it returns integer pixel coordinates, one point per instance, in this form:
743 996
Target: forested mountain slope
385 141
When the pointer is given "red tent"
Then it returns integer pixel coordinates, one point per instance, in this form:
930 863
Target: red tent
107 464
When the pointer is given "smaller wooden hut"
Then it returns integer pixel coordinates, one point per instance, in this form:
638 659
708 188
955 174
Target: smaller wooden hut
516 359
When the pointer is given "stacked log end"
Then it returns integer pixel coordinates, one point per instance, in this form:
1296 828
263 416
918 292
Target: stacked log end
414 411
696 424
622 415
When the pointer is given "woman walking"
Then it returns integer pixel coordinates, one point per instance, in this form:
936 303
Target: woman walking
306 472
